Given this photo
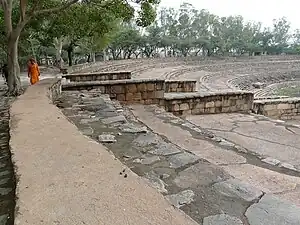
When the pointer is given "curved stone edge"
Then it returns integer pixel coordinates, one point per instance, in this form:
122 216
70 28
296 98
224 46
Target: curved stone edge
65 177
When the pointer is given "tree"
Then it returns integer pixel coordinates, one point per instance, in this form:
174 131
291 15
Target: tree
13 31
27 10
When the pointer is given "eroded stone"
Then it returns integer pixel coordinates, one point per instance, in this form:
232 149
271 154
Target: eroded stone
87 131
182 198
3 219
222 219
202 173
148 160
5 191
165 149
271 161
131 128
115 119
145 140
107 138
236 189
272 210
182 159
156 182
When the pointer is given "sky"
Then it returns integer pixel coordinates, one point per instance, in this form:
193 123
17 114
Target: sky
254 10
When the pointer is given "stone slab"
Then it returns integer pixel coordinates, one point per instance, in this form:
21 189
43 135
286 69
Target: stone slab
272 210
165 149
222 219
182 198
200 174
236 189
107 138
182 159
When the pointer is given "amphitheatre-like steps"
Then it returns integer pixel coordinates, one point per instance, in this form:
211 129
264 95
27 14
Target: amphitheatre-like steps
177 96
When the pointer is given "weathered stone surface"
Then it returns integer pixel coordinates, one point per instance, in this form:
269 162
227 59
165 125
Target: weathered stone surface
89 120
236 189
288 166
222 219
115 119
131 128
3 219
4 173
156 182
87 131
165 149
148 160
4 181
271 210
145 140
182 159
107 138
5 191
271 161
182 198
200 174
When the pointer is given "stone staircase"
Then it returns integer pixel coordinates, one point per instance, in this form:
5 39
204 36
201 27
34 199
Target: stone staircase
177 96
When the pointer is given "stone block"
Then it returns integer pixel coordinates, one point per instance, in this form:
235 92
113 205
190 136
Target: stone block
129 96
225 103
117 89
175 108
121 97
270 107
209 104
150 87
233 102
142 87
159 94
184 106
284 106
218 103
137 96
161 102
197 111
144 95
160 86
199 106
150 94
225 109
148 102
131 88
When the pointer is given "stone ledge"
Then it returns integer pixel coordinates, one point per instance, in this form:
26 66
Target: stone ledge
286 108
173 96
277 101
98 76
111 82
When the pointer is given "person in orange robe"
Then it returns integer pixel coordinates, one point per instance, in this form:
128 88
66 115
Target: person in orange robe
33 71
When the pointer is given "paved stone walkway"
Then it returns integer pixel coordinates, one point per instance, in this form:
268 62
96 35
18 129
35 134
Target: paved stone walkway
187 163
67 178
7 180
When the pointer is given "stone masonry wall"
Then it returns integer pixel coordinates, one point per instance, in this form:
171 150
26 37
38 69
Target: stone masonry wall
97 76
208 103
286 108
55 90
180 85
144 91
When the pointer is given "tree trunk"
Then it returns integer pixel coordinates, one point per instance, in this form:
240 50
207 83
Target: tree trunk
70 50
58 44
93 57
14 82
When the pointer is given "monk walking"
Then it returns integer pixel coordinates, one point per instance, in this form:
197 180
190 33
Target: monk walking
33 71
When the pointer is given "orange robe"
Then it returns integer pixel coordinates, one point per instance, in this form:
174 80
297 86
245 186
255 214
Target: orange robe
34 72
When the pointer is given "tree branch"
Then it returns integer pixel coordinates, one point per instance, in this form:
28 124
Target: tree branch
63 7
